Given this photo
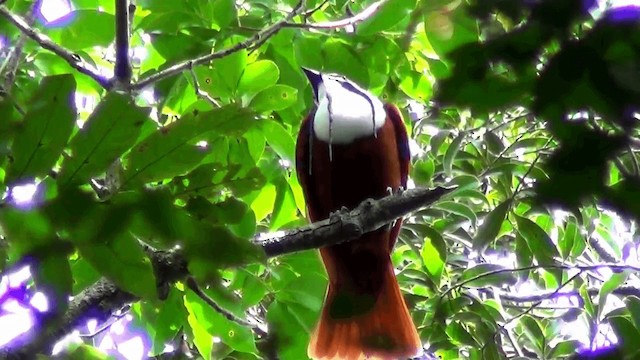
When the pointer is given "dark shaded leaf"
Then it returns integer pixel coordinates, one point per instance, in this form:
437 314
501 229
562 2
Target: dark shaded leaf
488 231
117 258
45 129
538 240
108 132
451 153
176 149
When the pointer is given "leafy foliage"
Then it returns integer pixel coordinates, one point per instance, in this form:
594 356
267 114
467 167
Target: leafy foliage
529 107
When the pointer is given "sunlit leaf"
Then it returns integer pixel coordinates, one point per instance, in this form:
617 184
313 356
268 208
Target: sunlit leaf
274 98
279 140
258 76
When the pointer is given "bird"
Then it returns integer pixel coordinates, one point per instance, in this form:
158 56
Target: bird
352 147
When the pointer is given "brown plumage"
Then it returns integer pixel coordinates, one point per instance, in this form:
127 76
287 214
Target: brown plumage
364 314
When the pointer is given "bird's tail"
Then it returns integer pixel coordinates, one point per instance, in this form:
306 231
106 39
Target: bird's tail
384 331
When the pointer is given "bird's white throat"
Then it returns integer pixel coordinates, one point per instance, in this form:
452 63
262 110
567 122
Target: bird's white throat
351 115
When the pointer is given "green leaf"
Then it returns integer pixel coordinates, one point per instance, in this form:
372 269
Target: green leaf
252 287
290 333
24 239
279 140
416 85
171 317
284 209
88 28
174 149
633 304
422 172
565 348
391 13
434 254
541 245
45 129
608 287
84 275
85 352
451 153
307 290
229 69
224 12
450 28
275 98
52 276
494 143
258 76
626 333
199 324
232 334
483 275
109 131
488 231
117 258
567 241
459 334
209 248
534 332
588 304
457 209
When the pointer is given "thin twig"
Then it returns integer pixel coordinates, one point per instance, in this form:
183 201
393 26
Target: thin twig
74 60
12 63
191 283
634 161
308 13
350 21
533 164
252 42
529 309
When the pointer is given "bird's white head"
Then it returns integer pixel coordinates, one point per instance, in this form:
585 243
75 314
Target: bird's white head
345 112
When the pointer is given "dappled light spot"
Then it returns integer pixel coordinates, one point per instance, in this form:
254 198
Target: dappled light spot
56 11
15 321
22 196
132 349
39 301
66 342
17 278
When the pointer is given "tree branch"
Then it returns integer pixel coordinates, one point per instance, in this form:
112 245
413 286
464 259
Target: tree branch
104 297
350 21
122 70
12 63
74 60
256 40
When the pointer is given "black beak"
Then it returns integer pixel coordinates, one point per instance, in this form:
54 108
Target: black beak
315 79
